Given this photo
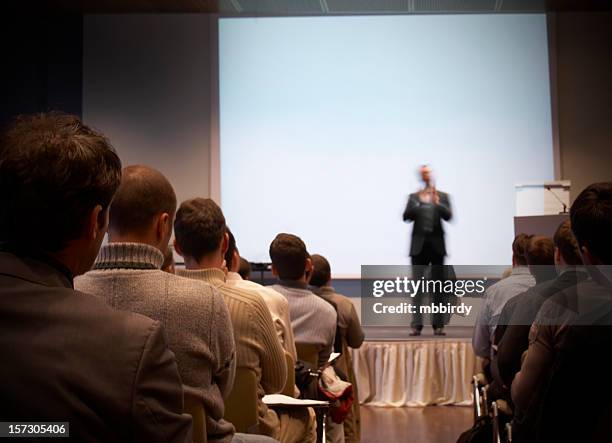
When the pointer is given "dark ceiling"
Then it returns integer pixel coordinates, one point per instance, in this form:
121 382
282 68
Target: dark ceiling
306 7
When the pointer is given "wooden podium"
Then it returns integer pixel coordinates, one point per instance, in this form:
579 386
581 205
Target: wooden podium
538 224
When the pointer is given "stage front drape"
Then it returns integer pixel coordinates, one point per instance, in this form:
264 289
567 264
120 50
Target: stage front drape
415 373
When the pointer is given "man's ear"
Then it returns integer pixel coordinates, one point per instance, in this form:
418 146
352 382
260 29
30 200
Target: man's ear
557 256
98 222
224 243
308 269
177 248
235 260
588 258
162 225
274 271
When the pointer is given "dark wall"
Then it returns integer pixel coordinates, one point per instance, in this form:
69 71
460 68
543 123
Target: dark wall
584 96
41 63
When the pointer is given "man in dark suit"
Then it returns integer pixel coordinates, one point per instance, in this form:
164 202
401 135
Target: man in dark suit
67 356
427 208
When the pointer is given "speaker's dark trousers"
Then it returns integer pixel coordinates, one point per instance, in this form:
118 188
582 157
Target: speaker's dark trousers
428 257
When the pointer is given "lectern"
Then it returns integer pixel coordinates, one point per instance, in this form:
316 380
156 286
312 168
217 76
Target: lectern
541 207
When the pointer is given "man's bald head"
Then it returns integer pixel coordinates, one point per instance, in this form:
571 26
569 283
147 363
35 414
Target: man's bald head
143 195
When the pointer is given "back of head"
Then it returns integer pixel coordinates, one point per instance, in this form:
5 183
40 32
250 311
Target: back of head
540 251
519 247
245 269
591 221
144 194
321 273
199 227
565 241
540 257
54 170
231 250
289 256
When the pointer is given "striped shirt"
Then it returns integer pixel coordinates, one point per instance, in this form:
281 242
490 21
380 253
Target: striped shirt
313 319
495 298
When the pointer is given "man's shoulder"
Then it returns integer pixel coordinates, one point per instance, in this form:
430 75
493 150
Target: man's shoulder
248 297
324 306
116 325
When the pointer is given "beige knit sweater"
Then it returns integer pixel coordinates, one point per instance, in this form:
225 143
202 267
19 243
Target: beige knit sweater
257 345
194 316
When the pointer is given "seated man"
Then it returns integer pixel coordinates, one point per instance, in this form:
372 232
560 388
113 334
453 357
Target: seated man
68 356
313 319
128 275
570 338
348 333
277 303
201 238
566 259
511 333
497 295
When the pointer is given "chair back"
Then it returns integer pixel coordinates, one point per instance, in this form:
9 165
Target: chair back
290 385
308 353
194 407
241 404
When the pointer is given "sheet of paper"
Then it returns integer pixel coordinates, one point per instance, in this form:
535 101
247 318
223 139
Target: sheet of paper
284 400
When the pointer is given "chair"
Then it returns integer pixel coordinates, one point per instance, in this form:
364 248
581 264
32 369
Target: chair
308 353
194 407
496 427
479 391
290 385
241 404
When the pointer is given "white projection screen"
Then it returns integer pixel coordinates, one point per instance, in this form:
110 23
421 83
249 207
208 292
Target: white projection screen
325 120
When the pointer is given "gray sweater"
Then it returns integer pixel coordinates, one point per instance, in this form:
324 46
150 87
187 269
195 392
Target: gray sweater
193 313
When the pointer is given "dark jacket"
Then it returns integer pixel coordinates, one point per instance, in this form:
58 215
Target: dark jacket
67 356
426 227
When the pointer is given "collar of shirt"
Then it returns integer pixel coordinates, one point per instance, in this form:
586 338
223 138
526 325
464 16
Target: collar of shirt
214 276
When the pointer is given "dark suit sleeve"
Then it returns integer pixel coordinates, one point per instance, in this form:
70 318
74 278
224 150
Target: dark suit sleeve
444 207
157 405
411 208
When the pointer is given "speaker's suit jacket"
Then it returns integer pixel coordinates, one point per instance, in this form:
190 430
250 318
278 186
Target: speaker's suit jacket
421 232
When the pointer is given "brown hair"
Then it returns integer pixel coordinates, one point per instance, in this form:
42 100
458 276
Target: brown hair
591 219
288 253
199 227
519 246
321 273
540 251
53 171
566 242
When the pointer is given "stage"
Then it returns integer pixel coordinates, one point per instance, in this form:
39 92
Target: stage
394 369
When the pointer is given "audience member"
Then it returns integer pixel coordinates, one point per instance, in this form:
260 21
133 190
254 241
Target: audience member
73 358
313 319
201 239
348 334
548 389
128 275
568 263
497 295
277 303
245 269
512 331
